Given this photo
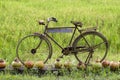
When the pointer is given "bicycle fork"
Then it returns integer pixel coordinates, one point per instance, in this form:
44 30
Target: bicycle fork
33 51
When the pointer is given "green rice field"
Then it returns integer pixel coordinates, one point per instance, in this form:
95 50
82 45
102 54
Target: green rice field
18 18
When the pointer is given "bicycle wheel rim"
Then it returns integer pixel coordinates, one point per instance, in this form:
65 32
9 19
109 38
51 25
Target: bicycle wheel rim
27 43
93 38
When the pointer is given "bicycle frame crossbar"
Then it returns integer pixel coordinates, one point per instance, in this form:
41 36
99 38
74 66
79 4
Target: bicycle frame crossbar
60 30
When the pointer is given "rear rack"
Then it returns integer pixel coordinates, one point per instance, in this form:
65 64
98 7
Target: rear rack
89 29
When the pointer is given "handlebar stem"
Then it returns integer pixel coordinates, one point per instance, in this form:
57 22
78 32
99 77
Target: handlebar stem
46 26
48 20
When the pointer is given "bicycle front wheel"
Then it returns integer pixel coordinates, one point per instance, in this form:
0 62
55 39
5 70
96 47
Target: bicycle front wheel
93 43
34 47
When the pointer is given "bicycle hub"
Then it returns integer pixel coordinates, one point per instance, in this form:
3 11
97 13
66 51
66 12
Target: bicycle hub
33 51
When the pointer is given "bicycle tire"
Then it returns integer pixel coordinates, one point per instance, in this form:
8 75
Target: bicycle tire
95 38
29 43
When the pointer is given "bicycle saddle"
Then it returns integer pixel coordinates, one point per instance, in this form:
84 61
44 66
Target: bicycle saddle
76 23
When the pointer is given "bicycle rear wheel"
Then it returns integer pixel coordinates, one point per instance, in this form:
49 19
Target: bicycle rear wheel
94 44
34 47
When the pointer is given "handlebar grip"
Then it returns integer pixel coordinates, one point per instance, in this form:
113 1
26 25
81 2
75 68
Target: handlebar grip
52 19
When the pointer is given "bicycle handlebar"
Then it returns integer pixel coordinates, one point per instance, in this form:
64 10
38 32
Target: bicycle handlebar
41 22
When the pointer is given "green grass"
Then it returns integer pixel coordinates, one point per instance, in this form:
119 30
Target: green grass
19 18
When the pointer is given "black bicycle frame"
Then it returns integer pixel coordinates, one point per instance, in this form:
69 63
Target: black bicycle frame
75 28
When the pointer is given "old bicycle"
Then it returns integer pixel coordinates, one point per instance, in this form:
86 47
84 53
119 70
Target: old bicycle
88 45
